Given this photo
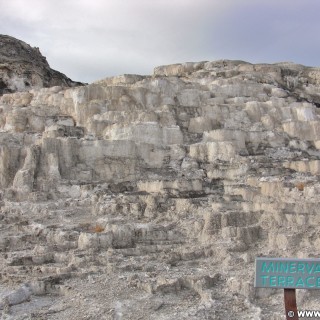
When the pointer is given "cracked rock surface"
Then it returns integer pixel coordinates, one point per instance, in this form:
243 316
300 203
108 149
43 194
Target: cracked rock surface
149 197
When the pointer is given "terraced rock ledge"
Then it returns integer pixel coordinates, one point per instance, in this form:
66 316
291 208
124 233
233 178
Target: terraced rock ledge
149 197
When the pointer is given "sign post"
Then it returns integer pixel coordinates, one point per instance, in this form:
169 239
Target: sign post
290 304
288 274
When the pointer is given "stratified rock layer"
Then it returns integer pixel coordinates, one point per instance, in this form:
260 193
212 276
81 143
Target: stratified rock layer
149 197
23 68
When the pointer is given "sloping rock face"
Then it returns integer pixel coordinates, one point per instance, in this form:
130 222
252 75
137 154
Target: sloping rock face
149 197
23 68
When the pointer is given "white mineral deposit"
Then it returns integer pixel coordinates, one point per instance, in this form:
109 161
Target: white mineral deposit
149 197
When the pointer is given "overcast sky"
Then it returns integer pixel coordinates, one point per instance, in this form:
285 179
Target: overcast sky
93 39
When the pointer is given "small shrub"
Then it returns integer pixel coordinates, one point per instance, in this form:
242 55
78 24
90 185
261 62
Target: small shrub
300 186
98 228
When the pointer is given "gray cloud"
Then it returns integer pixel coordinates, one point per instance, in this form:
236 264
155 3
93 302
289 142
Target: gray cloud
92 40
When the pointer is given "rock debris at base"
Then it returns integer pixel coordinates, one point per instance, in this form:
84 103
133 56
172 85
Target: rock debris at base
149 197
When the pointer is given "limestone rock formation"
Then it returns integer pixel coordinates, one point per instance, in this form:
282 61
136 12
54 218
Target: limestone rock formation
149 197
23 68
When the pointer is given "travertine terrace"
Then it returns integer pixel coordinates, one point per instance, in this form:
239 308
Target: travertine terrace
149 197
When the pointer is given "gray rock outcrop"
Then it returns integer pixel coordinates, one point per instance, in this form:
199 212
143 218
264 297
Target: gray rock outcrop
23 67
149 197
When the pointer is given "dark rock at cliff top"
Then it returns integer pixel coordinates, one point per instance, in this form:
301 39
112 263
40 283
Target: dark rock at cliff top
23 67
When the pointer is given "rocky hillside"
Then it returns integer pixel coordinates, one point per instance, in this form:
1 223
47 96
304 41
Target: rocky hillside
149 197
23 68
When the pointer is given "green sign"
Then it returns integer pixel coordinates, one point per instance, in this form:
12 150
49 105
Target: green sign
287 273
